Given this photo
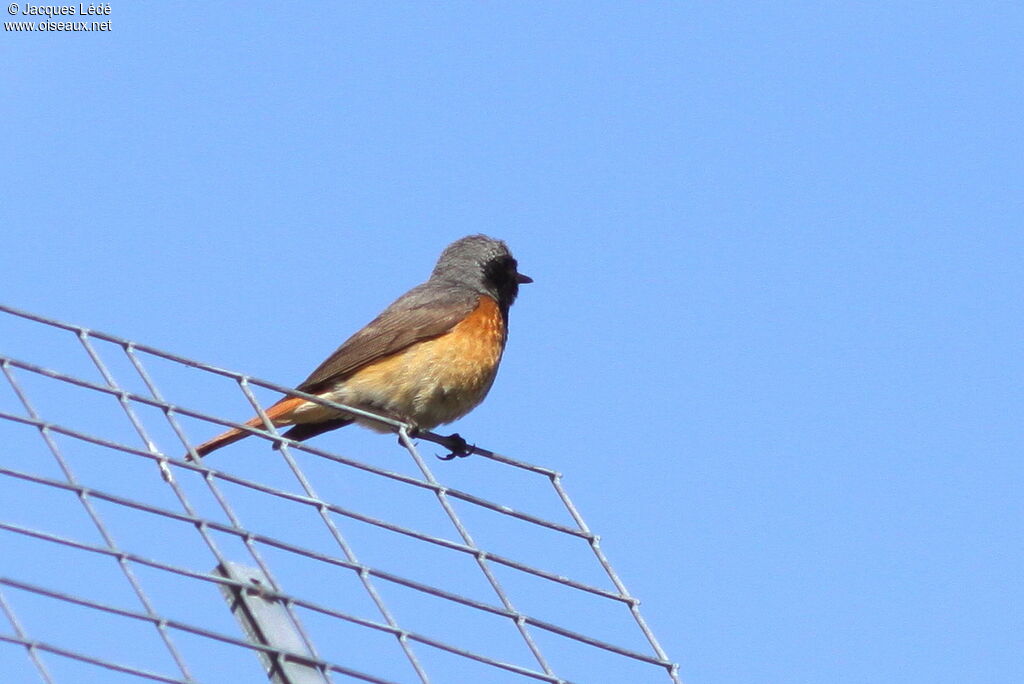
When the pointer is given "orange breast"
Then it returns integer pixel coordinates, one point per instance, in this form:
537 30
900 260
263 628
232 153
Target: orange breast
434 381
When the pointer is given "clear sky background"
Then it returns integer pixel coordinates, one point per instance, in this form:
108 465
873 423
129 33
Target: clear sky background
774 342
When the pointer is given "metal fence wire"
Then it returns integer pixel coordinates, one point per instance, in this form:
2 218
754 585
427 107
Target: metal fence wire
121 561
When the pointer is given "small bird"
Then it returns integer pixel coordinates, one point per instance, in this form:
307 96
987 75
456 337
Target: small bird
426 360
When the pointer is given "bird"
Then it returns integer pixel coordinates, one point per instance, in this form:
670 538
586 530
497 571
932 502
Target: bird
428 359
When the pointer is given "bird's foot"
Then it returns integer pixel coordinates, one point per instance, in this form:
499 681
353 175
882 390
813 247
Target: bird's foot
457 446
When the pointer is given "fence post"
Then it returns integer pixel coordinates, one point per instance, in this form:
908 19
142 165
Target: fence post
268 622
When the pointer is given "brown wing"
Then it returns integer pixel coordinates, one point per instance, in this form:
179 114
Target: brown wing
426 311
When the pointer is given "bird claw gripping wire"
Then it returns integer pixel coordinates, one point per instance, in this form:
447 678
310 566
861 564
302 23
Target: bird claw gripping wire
457 446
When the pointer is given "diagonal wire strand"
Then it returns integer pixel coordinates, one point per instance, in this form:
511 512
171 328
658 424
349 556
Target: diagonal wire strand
20 638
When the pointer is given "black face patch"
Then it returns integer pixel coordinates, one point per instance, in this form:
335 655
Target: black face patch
502 273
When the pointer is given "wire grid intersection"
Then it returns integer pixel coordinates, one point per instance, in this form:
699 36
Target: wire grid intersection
134 561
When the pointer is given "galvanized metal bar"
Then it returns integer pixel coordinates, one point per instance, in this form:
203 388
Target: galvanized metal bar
268 621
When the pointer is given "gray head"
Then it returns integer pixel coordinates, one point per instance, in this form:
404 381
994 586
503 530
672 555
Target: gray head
484 264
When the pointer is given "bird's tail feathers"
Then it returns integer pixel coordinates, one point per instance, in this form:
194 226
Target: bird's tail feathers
279 414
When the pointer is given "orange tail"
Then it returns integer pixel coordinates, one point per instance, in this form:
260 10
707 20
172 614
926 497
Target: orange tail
279 414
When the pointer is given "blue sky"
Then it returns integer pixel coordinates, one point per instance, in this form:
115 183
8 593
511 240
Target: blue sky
774 339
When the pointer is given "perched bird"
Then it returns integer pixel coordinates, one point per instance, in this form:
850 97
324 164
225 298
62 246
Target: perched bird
426 360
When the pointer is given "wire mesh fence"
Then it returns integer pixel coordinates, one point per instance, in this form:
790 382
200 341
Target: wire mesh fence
122 561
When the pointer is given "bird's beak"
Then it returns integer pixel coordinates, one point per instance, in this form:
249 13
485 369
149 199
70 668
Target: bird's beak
523 279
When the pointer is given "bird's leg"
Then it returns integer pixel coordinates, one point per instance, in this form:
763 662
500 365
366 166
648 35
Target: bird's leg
457 445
